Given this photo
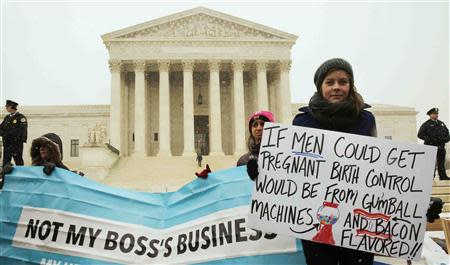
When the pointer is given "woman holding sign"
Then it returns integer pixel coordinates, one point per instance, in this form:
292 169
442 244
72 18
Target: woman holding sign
337 106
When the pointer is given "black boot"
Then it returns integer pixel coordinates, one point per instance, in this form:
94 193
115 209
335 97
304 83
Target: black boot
444 178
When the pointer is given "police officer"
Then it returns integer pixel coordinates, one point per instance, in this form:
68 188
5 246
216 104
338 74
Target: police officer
434 132
13 130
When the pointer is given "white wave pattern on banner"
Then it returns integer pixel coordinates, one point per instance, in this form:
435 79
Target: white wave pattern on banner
223 234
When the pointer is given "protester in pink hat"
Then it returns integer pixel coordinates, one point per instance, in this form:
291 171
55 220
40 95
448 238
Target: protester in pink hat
255 126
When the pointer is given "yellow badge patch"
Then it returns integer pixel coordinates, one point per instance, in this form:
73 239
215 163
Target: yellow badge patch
23 120
14 121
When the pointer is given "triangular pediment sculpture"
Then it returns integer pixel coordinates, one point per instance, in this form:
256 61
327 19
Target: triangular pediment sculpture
199 23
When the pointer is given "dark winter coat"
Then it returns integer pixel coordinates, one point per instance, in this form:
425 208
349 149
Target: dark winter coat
13 129
365 124
253 153
341 120
54 145
434 133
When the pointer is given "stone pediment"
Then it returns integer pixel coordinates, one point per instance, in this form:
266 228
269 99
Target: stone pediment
199 23
200 26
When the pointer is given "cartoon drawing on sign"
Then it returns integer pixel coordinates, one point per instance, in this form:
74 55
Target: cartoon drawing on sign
328 215
373 220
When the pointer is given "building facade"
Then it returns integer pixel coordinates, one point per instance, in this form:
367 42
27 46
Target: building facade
84 125
185 82
77 125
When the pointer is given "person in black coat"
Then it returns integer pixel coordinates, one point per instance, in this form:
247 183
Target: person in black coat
337 106
13 130
434 132
46 151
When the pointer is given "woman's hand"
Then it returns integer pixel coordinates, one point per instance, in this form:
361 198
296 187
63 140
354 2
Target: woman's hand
6 169
48 168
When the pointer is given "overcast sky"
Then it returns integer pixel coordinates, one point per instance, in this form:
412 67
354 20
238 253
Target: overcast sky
52 53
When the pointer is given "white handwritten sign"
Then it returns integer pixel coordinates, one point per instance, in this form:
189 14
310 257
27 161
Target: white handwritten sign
342 189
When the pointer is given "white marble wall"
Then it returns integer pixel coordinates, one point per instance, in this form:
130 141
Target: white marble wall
69 122
73 122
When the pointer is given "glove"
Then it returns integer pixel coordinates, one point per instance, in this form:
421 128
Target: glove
252 168
204 173
48 168
435 209
6 169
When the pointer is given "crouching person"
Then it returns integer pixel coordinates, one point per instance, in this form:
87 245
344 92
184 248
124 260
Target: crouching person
47 151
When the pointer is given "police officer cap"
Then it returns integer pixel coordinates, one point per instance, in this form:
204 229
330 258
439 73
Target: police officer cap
11 103
433 111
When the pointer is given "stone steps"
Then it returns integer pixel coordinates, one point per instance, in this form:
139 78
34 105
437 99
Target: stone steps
161 174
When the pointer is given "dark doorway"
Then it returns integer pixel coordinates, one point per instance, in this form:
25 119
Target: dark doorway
201 128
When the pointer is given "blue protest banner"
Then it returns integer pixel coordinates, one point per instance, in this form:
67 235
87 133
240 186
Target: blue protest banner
68 219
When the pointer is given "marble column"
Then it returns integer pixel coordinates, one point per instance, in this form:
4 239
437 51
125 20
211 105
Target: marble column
215 122
188 108
262 98
124 115
164 109
115 67
238 108
140 110
284 94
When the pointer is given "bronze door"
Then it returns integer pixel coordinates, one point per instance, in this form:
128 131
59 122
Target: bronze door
201 128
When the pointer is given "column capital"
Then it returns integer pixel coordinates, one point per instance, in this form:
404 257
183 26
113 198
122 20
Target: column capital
115 65
164 65
238 65
188 65
261 65
139 65
214 65
285 65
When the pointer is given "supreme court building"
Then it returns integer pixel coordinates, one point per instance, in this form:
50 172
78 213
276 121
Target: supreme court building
186 82
181 84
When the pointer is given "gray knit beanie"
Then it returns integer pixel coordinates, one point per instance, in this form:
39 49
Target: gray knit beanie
335 64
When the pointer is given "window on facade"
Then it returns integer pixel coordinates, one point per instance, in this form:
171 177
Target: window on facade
388 137
155 137
74 148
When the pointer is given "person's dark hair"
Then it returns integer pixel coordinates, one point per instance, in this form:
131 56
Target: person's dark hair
251 142
355 97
